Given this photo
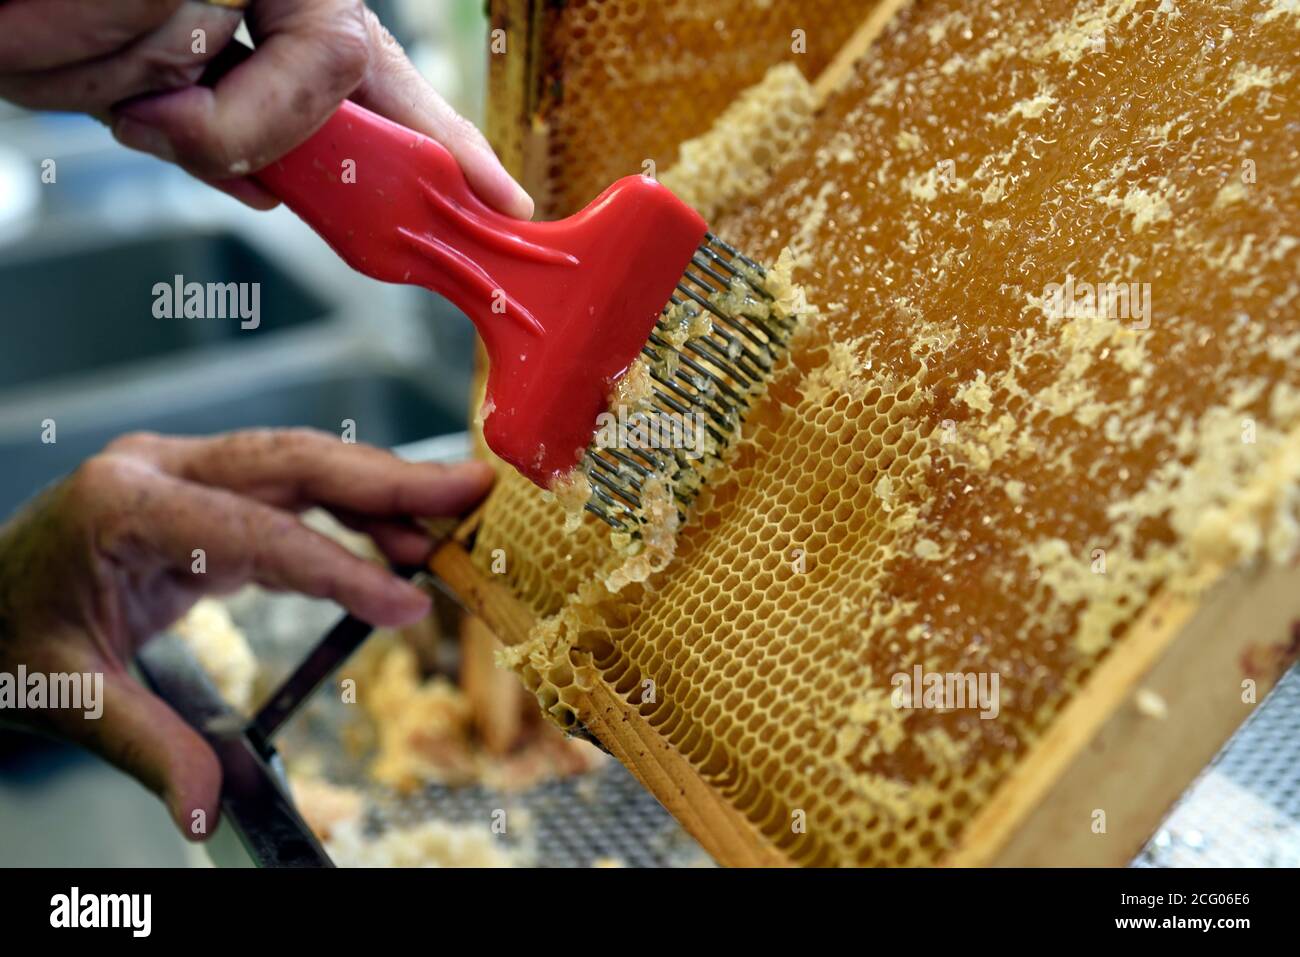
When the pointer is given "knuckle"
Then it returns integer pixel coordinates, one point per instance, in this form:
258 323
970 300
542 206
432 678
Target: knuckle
132 443
98 477
235 444
302 439
172 76
279 527
464 130
209 151
303 433
294 449
346 47
163 72
385 43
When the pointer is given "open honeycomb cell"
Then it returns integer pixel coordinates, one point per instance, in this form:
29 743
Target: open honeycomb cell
954 470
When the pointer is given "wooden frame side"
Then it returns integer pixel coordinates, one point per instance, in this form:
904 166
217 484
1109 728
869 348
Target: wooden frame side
726 834
1146 723
512 124
855 47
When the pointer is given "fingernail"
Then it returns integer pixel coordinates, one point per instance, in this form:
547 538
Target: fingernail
475 470
140 136
176 808
471 472
416 603
514 199
523 202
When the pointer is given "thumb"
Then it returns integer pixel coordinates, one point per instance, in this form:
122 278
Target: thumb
139 733
392 87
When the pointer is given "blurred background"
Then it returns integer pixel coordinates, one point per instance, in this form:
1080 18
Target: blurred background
79 257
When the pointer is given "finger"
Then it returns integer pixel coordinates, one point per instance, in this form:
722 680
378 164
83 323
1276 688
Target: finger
401 544
41 34
297 468
151 742
309 57
242 541
137 732
170 57
394 88
247 191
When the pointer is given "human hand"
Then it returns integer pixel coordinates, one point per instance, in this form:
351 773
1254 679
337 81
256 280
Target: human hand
98 564
136 64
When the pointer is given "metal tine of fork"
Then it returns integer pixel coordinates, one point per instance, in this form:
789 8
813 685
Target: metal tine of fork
650 463
634 481
724 317
610 520
653 460
674 405
729 327
721 327
598 475
743 381
726 266
662 343
756 360
721 384
723 322
680 409
624 459
785 325
689 402
615 505
678 461
738 372
702 302
706 267
708 247
733 252
615 494
719 413
671 453
728 331
749 370
727 408
741 274
772 326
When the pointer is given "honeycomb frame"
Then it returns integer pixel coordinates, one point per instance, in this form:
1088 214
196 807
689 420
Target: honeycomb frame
1176 650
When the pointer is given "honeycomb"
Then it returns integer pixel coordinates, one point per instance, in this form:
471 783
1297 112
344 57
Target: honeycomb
765 122
600 62
965 467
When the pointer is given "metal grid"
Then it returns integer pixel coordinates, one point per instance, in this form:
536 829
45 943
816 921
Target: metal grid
1244 810
603 818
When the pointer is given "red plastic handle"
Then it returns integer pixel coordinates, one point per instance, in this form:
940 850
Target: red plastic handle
563 307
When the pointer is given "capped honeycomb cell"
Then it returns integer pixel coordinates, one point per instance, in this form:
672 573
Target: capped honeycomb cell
597 67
